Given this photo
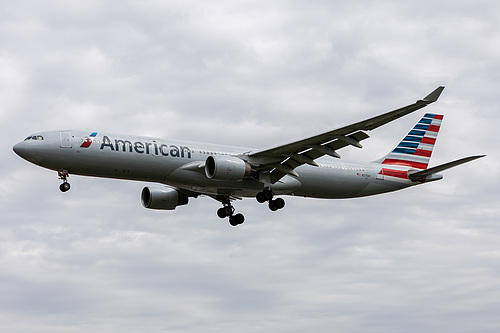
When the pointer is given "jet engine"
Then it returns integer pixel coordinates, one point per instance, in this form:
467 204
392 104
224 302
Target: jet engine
226 168
162 198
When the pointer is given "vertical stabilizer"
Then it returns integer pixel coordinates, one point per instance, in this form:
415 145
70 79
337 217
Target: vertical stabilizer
416 147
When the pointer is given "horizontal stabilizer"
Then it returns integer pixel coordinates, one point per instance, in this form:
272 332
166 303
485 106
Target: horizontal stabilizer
424 173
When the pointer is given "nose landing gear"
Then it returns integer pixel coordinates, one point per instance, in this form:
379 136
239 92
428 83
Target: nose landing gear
63 175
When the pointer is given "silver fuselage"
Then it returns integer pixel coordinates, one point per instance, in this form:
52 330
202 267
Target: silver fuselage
179 164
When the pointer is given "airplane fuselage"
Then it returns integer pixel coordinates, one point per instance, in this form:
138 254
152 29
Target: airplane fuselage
180 164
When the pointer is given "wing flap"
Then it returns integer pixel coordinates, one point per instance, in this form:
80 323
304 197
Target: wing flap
310 153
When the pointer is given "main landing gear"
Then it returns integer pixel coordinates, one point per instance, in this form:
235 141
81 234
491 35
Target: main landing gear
63 175
274 204
228 211
236 219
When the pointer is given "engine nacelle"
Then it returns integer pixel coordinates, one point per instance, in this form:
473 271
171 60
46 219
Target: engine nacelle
162 198
226 168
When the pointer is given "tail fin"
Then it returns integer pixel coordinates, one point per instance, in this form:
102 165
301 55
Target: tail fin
416 147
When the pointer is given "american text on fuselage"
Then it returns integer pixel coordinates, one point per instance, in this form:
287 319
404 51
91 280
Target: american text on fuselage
139 147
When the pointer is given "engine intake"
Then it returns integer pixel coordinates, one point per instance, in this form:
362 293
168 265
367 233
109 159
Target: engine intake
162 198
226 168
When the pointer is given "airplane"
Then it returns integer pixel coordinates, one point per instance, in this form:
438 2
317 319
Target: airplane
226 173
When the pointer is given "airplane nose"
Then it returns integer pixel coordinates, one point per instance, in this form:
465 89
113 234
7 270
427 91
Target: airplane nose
22 150
18 148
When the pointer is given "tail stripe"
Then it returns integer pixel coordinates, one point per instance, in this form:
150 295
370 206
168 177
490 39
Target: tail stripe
431 134
421 127
412 138
416 132
406 159
415 149
433 128
422 152
405 163
409 144
425 121
429 141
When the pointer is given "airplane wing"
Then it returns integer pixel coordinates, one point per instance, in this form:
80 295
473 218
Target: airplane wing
282 160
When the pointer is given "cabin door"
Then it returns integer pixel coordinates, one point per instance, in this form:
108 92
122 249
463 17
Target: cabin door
65 139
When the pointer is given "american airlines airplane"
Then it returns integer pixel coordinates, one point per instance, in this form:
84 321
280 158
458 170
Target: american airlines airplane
226 173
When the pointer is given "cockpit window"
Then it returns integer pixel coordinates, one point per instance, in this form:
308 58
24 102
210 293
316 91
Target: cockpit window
34 137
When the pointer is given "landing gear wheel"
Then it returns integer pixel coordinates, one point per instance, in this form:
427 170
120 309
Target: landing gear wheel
280 203
260 197
227 210
221 212
64 187
264 196
276 204
236 219
63 175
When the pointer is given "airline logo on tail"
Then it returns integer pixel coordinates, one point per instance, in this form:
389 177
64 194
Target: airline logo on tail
416 148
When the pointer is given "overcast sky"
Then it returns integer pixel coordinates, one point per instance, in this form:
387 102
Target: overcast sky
256 74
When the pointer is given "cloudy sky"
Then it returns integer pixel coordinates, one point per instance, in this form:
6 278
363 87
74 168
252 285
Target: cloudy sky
252 73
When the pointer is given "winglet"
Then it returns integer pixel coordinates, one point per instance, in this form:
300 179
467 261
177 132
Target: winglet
433 96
